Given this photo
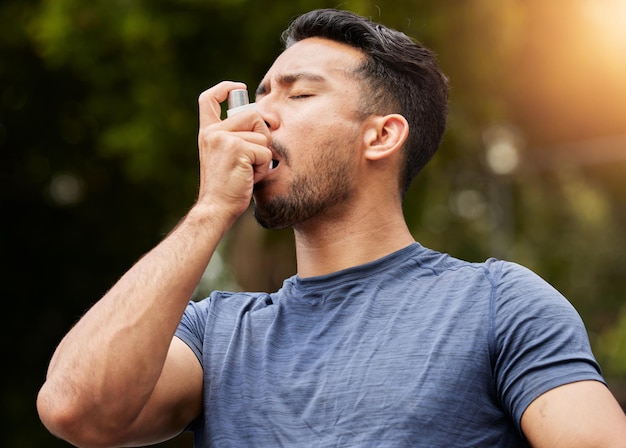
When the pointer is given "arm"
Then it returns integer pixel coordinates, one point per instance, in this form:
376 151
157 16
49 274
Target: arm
581 414
549 380
119 377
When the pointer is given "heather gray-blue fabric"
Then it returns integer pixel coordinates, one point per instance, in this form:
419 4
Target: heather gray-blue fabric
417 349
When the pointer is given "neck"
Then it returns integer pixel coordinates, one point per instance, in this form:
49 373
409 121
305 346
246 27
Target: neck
326 245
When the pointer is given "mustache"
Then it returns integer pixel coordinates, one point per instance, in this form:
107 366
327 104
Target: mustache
280 149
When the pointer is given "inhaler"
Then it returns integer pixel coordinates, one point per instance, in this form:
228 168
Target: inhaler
238 101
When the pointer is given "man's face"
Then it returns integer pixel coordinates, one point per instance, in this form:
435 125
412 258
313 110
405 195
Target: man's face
309 99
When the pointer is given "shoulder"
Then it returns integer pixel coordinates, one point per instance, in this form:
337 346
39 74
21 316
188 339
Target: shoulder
527 310
227 300
219 311
539 340
522 297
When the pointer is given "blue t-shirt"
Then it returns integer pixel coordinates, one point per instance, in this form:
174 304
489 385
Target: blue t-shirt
417 349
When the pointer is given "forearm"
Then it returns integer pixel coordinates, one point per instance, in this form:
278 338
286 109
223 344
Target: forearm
105 385
107 365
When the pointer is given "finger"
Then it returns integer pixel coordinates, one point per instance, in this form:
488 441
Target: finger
257 138
249 120
209 101
262 163
209 138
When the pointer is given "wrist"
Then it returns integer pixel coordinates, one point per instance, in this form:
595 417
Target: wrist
210 218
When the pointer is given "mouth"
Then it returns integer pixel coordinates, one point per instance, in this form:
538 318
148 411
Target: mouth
279 155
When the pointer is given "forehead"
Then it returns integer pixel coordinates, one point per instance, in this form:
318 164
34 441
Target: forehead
330 60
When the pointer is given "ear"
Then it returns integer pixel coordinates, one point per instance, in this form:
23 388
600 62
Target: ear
385 135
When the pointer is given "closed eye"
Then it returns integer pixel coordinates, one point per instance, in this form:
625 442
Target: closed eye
300 97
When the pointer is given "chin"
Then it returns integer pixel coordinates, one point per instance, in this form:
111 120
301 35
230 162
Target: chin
267 222
272 214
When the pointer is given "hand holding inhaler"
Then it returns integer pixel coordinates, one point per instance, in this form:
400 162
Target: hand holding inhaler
238 102
234 153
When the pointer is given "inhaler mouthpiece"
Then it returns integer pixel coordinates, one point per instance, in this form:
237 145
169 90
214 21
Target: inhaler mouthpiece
238 102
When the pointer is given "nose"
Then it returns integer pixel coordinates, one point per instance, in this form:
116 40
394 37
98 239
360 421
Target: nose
268 114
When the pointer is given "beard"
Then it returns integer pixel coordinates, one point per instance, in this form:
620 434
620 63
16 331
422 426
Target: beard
326 184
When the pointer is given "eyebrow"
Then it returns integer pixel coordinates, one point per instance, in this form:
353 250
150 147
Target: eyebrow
290 79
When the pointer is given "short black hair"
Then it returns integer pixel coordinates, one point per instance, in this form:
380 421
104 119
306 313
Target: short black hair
402 76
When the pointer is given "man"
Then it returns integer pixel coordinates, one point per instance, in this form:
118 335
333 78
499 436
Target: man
377 341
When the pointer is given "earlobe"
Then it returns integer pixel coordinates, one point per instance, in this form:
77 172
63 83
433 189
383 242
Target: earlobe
385 136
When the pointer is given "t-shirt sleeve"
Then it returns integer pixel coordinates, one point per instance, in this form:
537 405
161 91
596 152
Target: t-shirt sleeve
540 340
192 326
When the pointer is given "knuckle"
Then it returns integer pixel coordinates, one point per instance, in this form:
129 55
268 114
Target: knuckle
204 96
212 137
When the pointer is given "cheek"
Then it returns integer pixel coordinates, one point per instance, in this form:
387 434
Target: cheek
330 137
320 119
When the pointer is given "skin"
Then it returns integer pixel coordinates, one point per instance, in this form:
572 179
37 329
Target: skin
336 136
337 176
577 415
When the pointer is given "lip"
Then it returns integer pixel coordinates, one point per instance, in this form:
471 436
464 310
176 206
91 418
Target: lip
276 160
279 155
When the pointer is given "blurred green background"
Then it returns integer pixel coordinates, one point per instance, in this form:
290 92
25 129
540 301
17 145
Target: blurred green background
98 122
